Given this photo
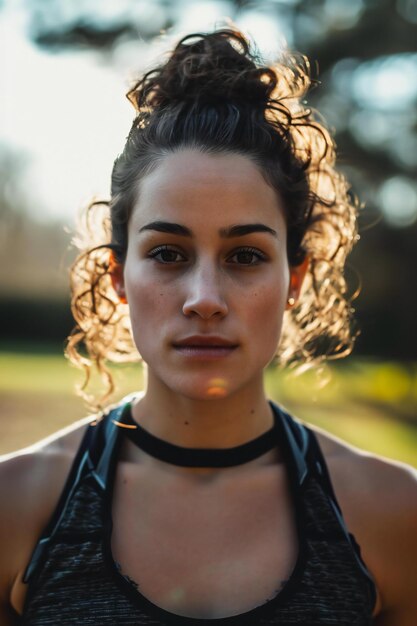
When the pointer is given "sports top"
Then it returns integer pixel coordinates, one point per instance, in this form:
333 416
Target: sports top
73 578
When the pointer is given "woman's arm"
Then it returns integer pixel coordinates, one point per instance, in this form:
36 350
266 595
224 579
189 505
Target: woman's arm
394 522
378 498
8 617
31 482
17 475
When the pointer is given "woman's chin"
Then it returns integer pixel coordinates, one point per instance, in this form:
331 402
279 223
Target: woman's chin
213 388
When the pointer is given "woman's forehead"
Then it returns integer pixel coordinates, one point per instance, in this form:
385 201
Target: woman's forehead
225 188
194 166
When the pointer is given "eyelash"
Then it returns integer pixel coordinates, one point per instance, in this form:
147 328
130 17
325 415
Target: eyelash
260 256
154 253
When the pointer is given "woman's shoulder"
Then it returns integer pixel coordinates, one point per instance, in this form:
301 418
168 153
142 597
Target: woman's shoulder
359 473
378 499
30 476
31 482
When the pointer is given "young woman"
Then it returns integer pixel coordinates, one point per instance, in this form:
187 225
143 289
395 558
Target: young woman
199 501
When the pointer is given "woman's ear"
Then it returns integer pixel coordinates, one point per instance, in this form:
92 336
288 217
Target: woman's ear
297 275
117 278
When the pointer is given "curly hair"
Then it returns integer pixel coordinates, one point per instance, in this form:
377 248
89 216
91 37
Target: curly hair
215 94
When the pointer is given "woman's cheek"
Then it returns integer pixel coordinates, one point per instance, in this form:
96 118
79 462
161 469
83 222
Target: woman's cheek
264 315
151 307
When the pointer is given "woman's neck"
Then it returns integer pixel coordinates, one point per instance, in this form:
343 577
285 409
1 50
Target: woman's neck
199 423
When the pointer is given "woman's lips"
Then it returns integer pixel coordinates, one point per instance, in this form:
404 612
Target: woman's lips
205 347
205 352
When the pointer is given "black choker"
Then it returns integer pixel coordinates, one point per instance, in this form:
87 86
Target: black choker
195 457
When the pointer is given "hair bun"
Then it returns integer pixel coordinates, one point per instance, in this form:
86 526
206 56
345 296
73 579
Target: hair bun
206 69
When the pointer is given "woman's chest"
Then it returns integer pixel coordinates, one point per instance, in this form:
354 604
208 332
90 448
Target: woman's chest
210 551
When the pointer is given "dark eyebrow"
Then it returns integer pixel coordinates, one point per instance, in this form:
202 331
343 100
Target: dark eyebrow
239 230
246 229
168 227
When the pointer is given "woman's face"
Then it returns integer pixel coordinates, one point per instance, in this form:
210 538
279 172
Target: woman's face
206 274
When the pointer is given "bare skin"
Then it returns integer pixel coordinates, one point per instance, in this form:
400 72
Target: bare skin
377 498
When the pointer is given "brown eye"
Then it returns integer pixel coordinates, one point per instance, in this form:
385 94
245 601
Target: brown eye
166 255
247 256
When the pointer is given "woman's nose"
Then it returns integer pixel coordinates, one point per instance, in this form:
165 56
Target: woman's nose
204 295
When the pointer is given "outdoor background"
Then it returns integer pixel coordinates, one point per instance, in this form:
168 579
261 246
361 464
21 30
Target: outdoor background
65 67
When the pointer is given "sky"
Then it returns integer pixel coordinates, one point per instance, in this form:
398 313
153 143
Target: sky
67 114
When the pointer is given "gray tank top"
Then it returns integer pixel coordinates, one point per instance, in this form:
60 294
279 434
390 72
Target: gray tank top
73 578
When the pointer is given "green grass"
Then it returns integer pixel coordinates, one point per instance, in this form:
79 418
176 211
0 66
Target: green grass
369 404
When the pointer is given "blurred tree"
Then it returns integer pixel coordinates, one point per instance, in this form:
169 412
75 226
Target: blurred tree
31 253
